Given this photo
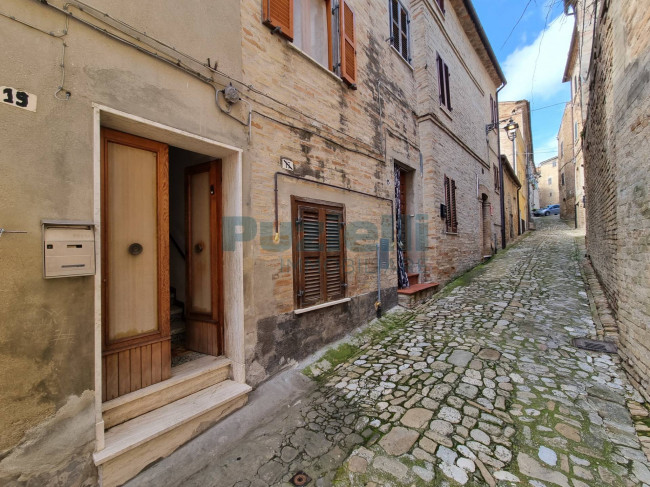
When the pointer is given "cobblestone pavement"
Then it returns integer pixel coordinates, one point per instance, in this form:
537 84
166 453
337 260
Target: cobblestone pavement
481 386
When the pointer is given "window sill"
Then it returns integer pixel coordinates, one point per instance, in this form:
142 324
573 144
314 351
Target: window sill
451 233
399 54
313 61
446 111
321 306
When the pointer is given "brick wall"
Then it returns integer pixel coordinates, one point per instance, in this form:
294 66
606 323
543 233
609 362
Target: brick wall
618 176
566 165
453 143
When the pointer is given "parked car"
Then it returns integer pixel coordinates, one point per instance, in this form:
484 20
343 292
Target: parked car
547 210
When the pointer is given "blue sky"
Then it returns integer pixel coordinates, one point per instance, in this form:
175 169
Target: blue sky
533 59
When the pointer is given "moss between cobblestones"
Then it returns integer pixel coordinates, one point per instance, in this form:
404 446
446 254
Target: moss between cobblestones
373 333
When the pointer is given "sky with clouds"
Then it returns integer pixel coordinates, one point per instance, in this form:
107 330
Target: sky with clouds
532 55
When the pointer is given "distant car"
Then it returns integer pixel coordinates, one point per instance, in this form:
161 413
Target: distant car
548 210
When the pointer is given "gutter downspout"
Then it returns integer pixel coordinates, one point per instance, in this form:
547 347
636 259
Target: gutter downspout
501 195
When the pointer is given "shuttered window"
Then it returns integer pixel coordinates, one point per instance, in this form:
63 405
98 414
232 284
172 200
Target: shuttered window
318 252
451 218
444 92
278 14
495 172
348 44
322 29
399 29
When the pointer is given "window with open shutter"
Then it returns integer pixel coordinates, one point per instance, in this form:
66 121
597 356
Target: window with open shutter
451 218
348 44
399 25
444 91
318 252
278 14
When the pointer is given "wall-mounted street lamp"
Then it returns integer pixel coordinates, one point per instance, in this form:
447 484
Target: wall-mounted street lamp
511 129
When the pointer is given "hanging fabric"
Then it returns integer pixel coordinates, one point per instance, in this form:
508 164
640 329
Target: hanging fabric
402 277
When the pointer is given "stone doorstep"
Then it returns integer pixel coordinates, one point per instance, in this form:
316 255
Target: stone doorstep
131 446
186 379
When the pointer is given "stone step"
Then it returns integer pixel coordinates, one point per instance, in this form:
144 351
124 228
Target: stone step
186 379
131 446
416 294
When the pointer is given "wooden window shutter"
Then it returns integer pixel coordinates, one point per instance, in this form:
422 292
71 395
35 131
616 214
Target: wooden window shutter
454 217
448 97
448 204
441 83
348 45
333 258
310 280
278 14
319 252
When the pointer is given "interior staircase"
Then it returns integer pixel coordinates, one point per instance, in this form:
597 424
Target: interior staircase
417 292
149 424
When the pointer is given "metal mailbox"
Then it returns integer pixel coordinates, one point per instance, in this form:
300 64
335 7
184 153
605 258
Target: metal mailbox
68 249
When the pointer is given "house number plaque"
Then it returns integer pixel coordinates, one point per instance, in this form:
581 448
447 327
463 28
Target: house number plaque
17 98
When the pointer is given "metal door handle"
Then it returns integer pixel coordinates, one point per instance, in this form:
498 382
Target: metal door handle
135 249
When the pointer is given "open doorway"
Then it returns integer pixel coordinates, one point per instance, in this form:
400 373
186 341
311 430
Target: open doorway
195 256
162 301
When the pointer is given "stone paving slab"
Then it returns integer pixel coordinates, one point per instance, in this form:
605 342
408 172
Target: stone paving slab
480 386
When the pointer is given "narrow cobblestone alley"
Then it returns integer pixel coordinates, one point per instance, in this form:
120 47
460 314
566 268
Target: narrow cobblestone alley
481 386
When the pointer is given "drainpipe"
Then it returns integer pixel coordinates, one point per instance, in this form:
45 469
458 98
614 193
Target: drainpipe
501 196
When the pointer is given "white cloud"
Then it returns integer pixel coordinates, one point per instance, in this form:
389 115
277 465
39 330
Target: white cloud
519 67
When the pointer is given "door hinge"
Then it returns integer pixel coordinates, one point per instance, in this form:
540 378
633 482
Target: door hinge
298 221
301 293
342 224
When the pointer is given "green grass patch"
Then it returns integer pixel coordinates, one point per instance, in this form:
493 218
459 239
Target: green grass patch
372 334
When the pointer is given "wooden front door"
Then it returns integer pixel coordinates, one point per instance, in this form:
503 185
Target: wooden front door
204 317
135 263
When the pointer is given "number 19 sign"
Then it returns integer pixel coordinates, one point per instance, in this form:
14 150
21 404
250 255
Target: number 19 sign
17 98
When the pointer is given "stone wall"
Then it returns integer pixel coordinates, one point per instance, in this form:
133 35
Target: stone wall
344 144
617 141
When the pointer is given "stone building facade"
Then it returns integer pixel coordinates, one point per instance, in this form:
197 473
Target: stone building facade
511 189
452 117
576 73
567 138
291 127
549 193
617 174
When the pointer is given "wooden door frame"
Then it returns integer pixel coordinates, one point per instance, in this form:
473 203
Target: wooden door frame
162 205
214 169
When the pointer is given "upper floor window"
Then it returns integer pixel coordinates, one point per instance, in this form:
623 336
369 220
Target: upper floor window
550 181
444 91
441 4
495 172
493 110
322 29
555 163
562 179
400 29
575 131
